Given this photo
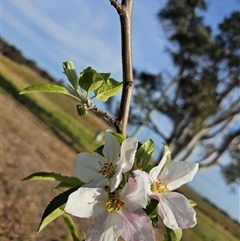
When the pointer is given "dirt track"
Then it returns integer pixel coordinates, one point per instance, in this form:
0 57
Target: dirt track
27 146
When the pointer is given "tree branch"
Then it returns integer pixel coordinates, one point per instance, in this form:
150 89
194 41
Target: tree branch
125 13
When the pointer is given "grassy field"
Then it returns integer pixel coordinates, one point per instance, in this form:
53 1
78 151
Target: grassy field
58 113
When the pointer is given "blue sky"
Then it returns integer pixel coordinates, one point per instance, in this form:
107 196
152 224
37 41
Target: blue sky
88 33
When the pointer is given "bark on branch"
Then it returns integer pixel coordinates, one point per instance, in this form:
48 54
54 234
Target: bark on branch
125 13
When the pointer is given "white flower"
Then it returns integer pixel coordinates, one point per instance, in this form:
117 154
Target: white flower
173 207
116 159
116 214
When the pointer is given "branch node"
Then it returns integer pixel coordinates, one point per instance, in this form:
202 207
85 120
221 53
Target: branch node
117 6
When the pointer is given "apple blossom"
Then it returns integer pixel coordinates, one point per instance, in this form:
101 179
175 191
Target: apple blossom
173 207
96 170
115 214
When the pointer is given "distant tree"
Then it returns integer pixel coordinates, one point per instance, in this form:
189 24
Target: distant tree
202 100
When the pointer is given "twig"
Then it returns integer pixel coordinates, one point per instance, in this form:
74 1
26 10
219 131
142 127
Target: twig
125 13
107 116
117 6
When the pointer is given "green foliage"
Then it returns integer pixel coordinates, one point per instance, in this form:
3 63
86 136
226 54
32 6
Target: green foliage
145 152
173 235
64 181
69 71
45 88
192 203
55 208
152 212
110 88
82 110
90 80
119 136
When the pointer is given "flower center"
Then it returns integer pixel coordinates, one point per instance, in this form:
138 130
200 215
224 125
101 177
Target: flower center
159 187
107 169
113 203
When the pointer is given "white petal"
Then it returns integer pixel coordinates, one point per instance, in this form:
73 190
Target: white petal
116 179
137 226
134 194
87 166
128 150
111 149
107 227
178 173
154 173
176 211
145 178
87 202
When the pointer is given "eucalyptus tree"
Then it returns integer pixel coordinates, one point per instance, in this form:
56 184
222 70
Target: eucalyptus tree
202 99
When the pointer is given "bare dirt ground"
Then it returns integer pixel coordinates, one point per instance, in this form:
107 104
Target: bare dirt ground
27 146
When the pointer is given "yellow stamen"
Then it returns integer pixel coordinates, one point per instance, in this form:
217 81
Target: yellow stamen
107 169
159 187
113 203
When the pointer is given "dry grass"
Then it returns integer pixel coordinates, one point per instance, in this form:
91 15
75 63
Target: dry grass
28 145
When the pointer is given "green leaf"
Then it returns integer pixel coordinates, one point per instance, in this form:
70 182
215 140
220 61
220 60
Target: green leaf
55 208
65 181
81 110
71 74
145 152
151 208
90 80
119 136
71 226
154 220
148 168
173 235
109 88
99 150
192 203
49 88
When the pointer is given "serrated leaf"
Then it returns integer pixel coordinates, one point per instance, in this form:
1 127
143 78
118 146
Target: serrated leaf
71 226
71 74
109 88
145 152
55 208
105 75
65 181
49 88
90 80
173 235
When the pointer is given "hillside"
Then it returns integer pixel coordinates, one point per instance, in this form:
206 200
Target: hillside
42 132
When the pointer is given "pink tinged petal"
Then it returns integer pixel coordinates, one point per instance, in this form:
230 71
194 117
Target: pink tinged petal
178 173
134 194
87 166
111 149
154 173
128 150
137 226
106 227
87 202
176 212
145 179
